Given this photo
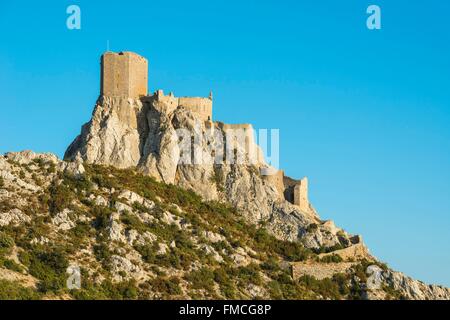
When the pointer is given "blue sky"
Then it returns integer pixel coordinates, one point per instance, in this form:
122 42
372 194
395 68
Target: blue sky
364 114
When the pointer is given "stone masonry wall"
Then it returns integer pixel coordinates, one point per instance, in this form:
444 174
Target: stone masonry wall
201 106
301 195
276 179
124 74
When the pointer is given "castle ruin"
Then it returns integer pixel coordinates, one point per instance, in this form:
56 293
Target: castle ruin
202 107
125 74
301 195
294 191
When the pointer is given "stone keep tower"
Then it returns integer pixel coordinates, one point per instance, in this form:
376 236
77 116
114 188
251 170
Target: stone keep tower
124 74
301 195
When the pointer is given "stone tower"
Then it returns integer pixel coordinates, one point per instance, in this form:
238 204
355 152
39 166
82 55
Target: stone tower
301 195
124 74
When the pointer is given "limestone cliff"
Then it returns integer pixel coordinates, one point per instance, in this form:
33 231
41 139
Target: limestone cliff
126 132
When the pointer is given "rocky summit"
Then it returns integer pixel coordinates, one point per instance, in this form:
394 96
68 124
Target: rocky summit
141 208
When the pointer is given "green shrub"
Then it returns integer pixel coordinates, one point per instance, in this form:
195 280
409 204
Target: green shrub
392 294
12 265
139 207
102 217
275 290
6 243
103 254
81 231
133 222
60 197
168 287
126 290
51 167
174 258
327 288
14 291
222 277
105 181
271 265
37 180
78 183
49 266
337 246
248 274
148 252
283 287
291 251
202 278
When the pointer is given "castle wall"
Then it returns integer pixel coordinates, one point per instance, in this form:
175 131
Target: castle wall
138 75
201 106
319 270
301 195
226 126
123 74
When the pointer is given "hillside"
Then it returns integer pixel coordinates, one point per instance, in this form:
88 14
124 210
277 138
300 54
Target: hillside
136 238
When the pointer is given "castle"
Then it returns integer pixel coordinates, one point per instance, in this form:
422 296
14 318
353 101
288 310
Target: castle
125 74
294 191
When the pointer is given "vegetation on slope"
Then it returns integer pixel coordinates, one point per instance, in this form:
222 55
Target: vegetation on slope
245 262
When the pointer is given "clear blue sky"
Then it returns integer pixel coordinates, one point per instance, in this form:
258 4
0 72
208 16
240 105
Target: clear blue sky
364 114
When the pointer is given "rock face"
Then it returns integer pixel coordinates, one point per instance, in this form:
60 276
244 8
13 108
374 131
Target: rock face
409 288
145 133
112 136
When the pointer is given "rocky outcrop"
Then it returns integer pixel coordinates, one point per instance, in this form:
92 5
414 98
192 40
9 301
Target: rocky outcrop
63 221
408 288
145 133
14 217
414 289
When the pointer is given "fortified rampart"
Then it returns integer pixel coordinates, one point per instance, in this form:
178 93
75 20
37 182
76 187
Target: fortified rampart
277 180
200 106
301 195
294 191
